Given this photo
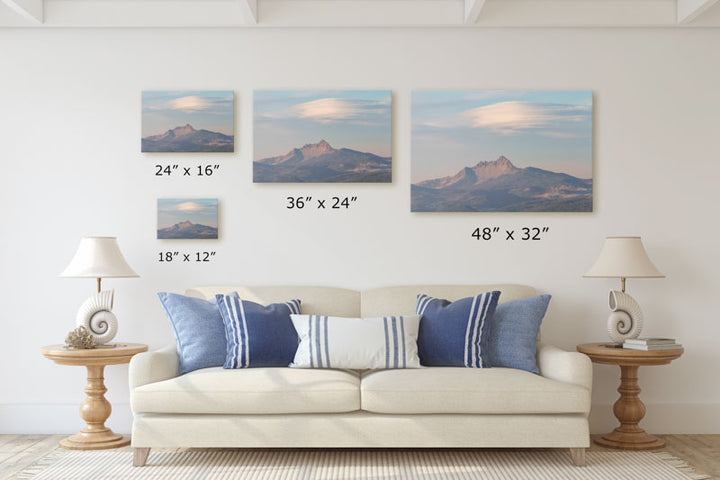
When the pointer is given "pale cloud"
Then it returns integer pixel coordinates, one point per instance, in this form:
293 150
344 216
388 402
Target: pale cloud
326 110
331 109
189 207
189 104
511 117
306 107
193 104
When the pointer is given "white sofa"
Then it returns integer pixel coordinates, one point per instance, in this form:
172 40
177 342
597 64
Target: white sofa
435 407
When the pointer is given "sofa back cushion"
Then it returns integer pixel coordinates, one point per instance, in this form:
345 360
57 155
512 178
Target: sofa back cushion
338 302
401 300
377 302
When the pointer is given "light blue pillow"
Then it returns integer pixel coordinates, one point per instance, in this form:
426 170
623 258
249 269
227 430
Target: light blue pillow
257 335
454 334
199 331
513 333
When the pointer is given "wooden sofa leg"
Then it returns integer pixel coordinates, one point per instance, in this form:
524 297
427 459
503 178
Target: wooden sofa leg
578 456
140 456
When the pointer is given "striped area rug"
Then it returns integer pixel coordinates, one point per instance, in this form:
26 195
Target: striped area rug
357 464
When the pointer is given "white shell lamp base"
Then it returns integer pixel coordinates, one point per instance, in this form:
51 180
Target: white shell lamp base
96 315
626 319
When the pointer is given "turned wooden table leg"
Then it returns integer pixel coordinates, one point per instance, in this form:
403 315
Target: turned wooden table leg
95 409
629 410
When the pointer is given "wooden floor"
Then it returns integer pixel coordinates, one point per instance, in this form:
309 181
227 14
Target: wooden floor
20 451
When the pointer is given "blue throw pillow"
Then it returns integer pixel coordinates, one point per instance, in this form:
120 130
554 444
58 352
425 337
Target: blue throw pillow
258 336
199 331
454 334
514 332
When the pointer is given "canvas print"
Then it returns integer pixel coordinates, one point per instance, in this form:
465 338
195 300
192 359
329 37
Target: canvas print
502 151
188 121
320 136
187 219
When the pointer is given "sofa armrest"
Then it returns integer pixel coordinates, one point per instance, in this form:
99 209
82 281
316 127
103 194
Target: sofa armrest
569 367
151 367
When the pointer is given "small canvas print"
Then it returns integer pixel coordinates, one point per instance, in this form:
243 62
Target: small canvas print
323 136
502 151
188 121
186 219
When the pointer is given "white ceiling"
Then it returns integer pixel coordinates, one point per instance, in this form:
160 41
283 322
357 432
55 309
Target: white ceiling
359 13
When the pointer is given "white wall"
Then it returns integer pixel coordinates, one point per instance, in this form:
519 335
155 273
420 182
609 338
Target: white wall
70 165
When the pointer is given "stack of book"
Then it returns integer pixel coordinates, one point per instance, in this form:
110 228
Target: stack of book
651 344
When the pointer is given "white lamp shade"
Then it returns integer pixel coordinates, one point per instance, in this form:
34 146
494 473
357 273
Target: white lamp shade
98 257
623 257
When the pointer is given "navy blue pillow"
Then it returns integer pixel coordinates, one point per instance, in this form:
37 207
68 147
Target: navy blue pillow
258 336
514 332
199 331
454 334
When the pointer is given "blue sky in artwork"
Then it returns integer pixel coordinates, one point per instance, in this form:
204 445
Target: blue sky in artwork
203 109
356 119
203 211
545 129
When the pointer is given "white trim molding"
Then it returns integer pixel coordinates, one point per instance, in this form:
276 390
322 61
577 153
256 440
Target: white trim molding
661 418
56 418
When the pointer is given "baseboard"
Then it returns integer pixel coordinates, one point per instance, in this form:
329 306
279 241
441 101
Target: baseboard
37 418
65 419
661 418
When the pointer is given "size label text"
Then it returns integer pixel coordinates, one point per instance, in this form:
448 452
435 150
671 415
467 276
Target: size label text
522 233
178 171
310 203
183 257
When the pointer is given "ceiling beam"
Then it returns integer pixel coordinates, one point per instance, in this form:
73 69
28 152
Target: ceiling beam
29 9
144 13
250 10
359 13
578 13
689 10
472 10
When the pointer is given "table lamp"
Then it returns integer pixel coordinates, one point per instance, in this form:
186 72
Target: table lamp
98 257
623 257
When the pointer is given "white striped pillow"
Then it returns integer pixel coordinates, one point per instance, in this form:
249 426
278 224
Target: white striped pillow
356 343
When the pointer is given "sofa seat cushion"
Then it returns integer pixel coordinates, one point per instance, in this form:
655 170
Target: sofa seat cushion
252 391
469 390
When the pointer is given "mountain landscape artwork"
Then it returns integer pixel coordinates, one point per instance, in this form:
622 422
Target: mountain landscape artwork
188 121
502 151
187 219
323 136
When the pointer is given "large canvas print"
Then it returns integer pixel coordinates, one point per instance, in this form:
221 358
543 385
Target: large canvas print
188 121
187 218
502 151
320 136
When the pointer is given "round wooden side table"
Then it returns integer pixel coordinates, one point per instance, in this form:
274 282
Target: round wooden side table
95 409
629 410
